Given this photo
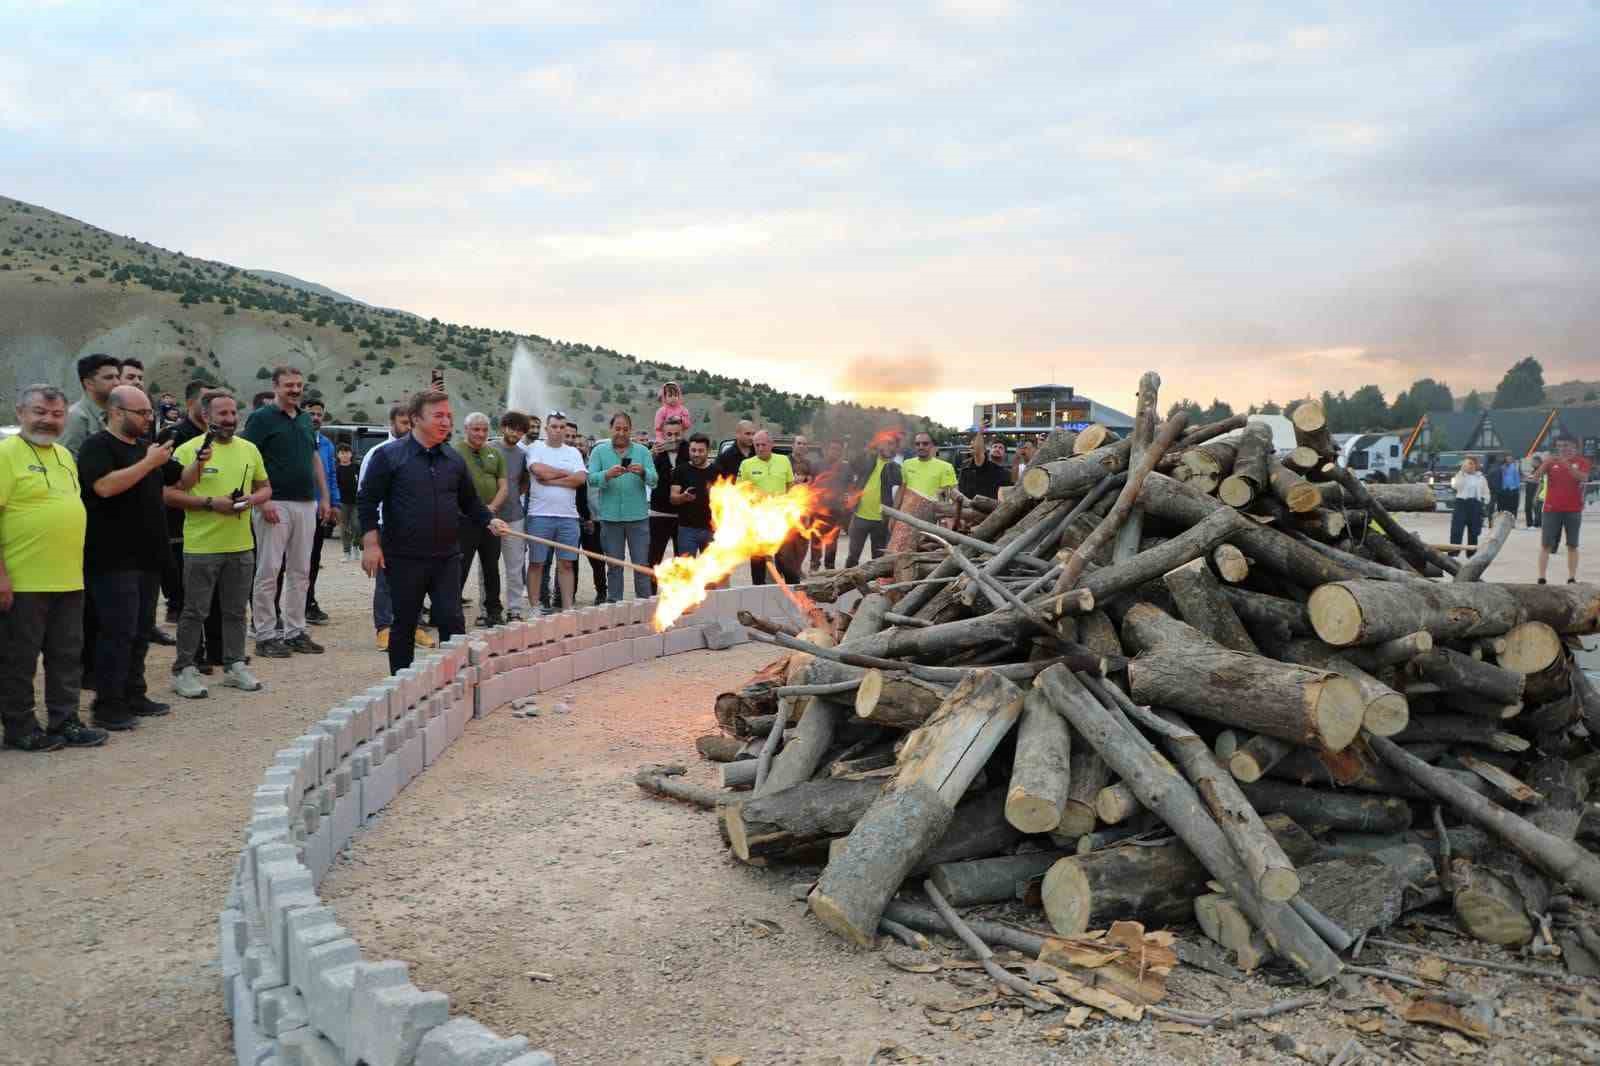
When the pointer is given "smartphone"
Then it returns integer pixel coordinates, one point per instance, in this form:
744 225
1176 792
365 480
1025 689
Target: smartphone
436 379
211 435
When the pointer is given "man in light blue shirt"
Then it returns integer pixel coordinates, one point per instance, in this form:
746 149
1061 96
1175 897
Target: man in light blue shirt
623 472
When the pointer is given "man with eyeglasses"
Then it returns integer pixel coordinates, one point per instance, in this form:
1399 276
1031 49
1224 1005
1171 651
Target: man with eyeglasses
928 475
125 547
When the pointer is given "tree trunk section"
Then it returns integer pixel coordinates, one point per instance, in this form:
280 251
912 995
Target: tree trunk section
1041 768
1462 674
1386 711
1077 475
1320 810
938 763
896 700
1460 729
1199 597
1368 612
1389 652
1290 489
1310 423
1146 415
813 738
993 880
1251 476
1179 668
1273 612
1257 756
810 812
1230 563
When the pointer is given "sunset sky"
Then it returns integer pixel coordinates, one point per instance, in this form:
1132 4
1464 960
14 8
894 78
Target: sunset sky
924 204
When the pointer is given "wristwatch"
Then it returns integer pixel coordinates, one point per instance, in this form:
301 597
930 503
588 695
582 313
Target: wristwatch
208 502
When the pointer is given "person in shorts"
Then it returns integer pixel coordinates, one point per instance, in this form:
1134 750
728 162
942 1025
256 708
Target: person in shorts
1565 473
556 474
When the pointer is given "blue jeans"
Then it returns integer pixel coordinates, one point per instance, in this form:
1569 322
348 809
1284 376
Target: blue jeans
636 536
692 541
382 606
550 527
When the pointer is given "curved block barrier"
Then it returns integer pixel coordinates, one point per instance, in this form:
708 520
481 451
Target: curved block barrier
298 988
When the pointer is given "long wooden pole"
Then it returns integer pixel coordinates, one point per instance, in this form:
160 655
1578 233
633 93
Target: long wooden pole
581 551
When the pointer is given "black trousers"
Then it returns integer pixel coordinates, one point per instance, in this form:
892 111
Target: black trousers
663 531
1530 500
787 560
1466 517
824 557
409 579
172 578
40 622
323 529
485 546
862 530
590 539
125 609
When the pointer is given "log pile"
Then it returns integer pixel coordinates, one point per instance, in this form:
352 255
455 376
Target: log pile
1258 715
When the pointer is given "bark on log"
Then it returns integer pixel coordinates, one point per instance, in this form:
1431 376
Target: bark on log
1147 451
1251 476
1177 667
1104 585
1303 460
1389 652
1213 460
1072 477
1087 776
740 774
1386 712
1356 767
719 747
1169 796
1473 568
662 780
1310 423
1290 489
1404 495
1367 612
1257 756
897 701
1320 810
1270 611
1174 502
1155 884
800 757
978 830
937 765
992 880
1012 508
1460 729
1041 768
1406 540
1200 600
1561 859
808 813
1457 673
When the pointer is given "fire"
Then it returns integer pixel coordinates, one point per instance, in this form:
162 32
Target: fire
748 523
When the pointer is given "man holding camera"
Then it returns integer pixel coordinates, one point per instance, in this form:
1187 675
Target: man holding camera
218 544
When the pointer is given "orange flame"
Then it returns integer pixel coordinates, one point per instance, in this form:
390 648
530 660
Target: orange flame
748 523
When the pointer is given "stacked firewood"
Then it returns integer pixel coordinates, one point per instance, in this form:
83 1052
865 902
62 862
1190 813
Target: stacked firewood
1174 678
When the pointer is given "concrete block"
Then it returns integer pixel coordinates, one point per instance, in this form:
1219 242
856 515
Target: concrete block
389 1015
435 738
411 760
308 927
280 1010
587 619
307 1047
533 1058
617 654
319 850
721 635
646 648
465 1042
566 624
680 639
347 816
249 1046
588 662
555 673
331 966
340 726
478 652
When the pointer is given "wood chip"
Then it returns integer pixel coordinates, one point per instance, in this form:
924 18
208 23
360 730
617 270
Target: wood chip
762 926
1444 1015
539 975
1179 1029
959 1005
1431 969
913 967
726 1060
1459 1044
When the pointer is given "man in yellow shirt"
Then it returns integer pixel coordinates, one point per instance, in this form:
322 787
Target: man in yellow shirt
773 474
218 544
42 526
927 474
874 480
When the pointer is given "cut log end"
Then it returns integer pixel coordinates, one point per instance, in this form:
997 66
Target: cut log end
1032 813
1338 709
1489 909
1387 715
1036 482
1303 498
733 823
1308 416
1077 818
1066 896
868 692
1335 615
1530 648
1231 563
1279 883
1235 491
834 917
1244 766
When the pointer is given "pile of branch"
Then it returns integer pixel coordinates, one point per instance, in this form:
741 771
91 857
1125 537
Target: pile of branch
1179 678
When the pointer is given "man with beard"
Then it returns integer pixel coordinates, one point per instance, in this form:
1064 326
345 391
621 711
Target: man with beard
832 481
123 477
742 448
488 469
98 374
691 497
773 475
513 551
985 475
624 472
133 374
230 482
668 453
877 478
42 525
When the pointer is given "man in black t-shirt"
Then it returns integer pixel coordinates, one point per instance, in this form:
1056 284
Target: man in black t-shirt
691 496
125 547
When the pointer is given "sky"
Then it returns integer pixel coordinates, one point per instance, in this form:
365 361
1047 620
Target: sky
923 203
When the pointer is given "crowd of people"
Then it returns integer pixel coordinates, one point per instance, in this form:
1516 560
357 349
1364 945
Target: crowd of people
1549 490
112 503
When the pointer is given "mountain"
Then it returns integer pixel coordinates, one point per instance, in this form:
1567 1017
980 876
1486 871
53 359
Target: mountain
68 288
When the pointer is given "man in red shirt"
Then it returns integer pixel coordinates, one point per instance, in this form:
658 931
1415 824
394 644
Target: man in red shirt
1563 504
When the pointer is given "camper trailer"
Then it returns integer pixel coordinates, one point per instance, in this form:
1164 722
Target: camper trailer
1372 456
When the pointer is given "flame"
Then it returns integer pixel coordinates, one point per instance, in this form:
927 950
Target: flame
748 523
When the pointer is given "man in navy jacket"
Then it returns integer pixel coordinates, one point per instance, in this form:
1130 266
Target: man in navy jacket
426 492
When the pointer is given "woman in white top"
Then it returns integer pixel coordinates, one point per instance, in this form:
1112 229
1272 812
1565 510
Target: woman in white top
1472 500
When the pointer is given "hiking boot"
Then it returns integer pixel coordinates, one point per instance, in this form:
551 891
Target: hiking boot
272 648
145 707
37 741
74 734
303 644
316 616
496 618
383 639
186 683
425 639
236 676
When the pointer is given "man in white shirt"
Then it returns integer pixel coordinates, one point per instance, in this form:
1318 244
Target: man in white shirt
556 474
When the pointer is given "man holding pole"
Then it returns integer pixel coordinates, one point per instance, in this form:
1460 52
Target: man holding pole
556 474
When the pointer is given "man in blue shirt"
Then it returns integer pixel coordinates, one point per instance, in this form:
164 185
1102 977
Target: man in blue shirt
426 492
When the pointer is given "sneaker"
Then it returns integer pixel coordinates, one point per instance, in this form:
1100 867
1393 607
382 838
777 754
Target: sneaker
236 676
483 621
424 638
272 648
302 644
496 618
37 741
74 734
383 639
160 636
120 722
316 616
513 615
186 683
145 707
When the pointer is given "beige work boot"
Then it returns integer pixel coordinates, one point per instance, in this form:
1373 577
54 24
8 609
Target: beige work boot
383 639
424 638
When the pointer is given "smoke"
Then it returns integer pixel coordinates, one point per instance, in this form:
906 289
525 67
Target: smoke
909 374
527 390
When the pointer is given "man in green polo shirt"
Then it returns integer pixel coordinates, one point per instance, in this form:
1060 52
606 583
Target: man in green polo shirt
286 524
773 474
927 474
487 468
